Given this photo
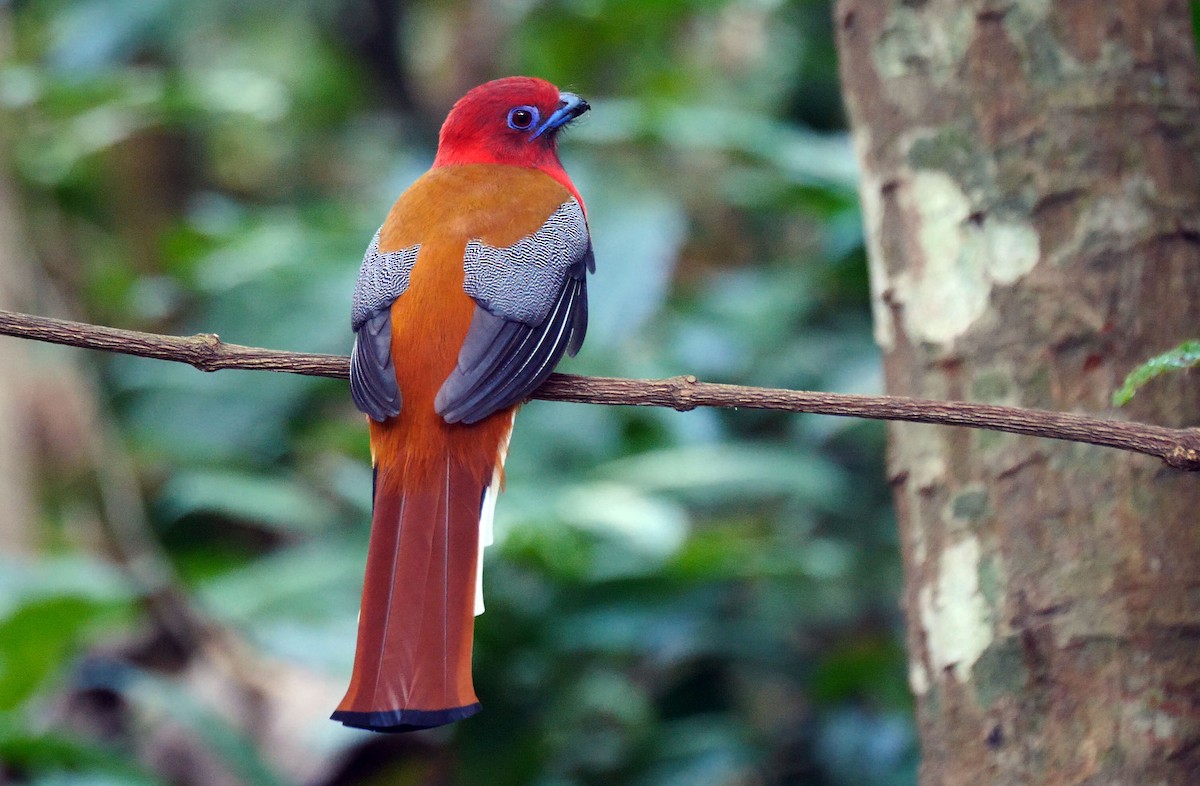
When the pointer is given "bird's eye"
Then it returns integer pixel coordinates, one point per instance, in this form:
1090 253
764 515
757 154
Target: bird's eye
522 117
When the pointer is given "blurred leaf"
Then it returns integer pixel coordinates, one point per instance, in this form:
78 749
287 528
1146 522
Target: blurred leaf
36 642
92 779
88 35
651 526
730 473
279 503
631 629
637 239
300 603
74 575
1196 22
701 749
863 748
59 759
729 553
801 156
163 700
867 667
46 608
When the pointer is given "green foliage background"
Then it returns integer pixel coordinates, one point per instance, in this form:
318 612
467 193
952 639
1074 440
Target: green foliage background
675 598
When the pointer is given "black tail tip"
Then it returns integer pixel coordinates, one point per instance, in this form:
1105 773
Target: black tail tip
395 721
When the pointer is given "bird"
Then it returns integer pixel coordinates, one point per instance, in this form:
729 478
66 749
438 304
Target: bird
469 294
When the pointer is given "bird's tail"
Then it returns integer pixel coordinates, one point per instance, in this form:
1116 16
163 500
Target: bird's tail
412 666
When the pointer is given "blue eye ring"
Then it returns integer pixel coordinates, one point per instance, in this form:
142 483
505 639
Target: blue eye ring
522 118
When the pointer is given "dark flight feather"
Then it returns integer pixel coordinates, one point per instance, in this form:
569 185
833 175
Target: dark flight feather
503 361
372 377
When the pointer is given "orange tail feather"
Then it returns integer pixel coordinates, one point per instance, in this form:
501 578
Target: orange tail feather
412 666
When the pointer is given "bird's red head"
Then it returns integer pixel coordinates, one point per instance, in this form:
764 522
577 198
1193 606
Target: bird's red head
514 121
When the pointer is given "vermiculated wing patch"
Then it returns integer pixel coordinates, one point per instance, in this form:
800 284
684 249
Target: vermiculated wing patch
383 277
520 283
531 309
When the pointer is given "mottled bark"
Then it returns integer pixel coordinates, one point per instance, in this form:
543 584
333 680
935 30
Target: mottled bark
1031 194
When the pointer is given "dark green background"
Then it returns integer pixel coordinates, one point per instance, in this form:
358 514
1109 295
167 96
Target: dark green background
676 598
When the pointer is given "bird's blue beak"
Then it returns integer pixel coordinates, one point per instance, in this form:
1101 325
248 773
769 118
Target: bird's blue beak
570 106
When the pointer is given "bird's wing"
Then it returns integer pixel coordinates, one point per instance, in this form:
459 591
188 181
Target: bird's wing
384 276
531 307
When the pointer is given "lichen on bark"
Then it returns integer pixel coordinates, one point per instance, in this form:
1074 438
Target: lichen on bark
1031 199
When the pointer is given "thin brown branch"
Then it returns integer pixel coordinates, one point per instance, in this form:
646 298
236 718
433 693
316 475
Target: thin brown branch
1179 448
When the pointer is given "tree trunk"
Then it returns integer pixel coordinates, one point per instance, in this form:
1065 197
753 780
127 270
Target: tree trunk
1032 201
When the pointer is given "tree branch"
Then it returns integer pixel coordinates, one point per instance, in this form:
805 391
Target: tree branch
1179 448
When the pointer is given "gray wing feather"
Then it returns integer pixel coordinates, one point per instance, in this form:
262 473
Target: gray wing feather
521 282
531 309
372 376
383 277
579 318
